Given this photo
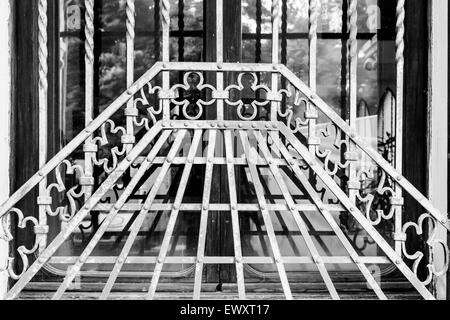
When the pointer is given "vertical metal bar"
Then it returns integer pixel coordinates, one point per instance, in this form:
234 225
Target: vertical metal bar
344 60
250 152
284 51
353 87
89 148
275 54
130 112
204 215
312 39
121 259
234 214
356 213
298 219
399 59
315 198
181 41
43 118
258 225
165 15
87 207
219 48
174 213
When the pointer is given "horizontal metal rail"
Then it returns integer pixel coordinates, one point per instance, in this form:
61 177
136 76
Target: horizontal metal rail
224 207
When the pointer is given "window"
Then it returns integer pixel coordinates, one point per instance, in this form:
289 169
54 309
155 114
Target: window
190 42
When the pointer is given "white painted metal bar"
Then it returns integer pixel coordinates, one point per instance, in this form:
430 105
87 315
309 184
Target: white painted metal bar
90 148
438 115
315 198
374 155
276 14
217 160
219 57
302 206
356 213
232 187
399 60
353 91
137 225
165 17
43 118
205 208
221 260
131 112
270 207
250 154
298 219
217 67
85 210
175 211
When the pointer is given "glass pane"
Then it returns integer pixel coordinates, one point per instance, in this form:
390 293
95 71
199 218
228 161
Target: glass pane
297 16
72 85
193 14
112 70
145 15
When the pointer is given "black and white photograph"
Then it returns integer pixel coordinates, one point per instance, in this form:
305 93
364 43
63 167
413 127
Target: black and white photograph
236 152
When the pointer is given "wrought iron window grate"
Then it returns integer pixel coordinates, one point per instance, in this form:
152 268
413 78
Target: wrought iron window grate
287 146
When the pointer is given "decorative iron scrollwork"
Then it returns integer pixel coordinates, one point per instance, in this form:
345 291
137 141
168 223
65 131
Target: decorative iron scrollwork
66 212
193 85
111 160
152 111
242 110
